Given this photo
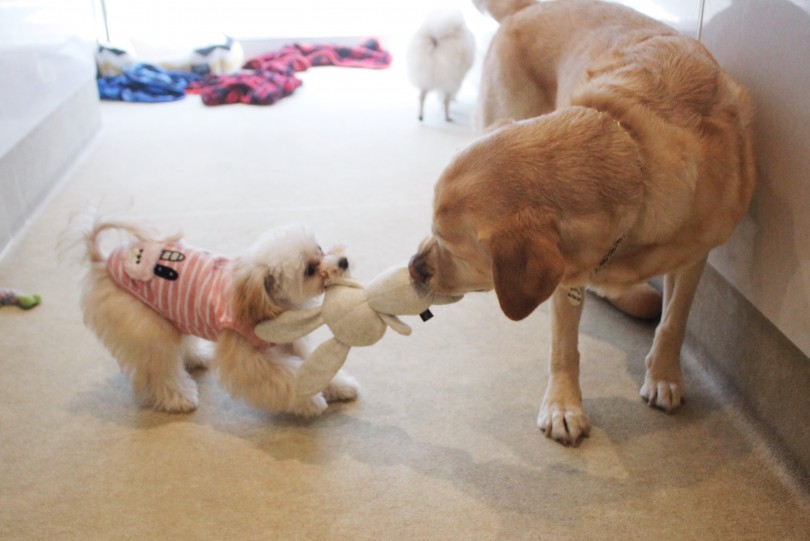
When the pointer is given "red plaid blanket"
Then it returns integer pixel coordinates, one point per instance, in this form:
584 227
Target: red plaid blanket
302 56
273 74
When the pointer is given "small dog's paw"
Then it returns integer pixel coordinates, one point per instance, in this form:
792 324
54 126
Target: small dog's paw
196 360
342 388
310 407
662 394
197 354
567 424
176 399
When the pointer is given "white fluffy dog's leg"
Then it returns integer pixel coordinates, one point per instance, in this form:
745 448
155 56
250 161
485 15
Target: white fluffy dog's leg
146 346
263 379
447 99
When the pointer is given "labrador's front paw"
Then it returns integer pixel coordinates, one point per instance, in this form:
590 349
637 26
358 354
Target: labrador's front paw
561 416
567 425
662 394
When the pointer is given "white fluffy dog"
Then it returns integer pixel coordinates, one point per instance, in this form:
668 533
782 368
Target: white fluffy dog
145 299
439 56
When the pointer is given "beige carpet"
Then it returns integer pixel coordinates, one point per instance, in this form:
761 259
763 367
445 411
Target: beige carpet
442 443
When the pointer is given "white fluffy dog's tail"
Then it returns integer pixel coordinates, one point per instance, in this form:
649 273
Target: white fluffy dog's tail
500 9
442 23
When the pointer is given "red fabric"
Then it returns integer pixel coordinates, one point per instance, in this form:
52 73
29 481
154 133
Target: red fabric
303 56
260 87
273 74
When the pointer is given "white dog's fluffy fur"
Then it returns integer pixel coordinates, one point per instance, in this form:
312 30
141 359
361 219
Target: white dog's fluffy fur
157 356
439 56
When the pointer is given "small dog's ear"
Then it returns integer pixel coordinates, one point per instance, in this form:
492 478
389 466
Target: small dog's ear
527 265
254 293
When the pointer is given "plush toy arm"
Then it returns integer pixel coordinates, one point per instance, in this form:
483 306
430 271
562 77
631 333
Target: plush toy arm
290 326
397 324
320 367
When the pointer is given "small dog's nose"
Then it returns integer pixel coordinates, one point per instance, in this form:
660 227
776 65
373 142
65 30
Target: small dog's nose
343 263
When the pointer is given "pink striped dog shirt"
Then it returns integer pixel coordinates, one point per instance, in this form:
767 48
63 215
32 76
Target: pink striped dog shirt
185 285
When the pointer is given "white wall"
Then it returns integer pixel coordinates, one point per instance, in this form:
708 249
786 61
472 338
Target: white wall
46 61
251 19
765 44
45 56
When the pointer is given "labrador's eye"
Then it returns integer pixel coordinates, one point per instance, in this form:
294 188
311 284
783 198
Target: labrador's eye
312 268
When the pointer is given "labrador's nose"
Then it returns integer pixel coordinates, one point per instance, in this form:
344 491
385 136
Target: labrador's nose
417 270
343 263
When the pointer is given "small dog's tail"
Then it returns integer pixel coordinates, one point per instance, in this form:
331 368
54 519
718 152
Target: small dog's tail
93 233
501 9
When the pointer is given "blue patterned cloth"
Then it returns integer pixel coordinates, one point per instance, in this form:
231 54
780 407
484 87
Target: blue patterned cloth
146 83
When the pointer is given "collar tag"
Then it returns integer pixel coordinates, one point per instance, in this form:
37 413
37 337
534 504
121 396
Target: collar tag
575 296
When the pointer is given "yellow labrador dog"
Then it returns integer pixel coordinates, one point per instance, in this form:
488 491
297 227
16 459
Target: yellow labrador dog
616 150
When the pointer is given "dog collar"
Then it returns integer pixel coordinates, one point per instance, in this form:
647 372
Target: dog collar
608 256
575 294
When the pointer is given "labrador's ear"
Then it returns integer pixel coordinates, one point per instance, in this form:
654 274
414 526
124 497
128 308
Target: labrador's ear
527 266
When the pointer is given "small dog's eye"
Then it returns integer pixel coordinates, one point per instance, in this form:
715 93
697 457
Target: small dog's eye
312 268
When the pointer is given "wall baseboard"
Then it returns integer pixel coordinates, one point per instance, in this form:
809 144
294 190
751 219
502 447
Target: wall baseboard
31 168
752 361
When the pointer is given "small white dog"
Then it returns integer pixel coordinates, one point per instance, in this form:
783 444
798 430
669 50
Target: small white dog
439 56
145 299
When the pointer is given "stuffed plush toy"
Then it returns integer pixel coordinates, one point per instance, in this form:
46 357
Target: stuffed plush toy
356 315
